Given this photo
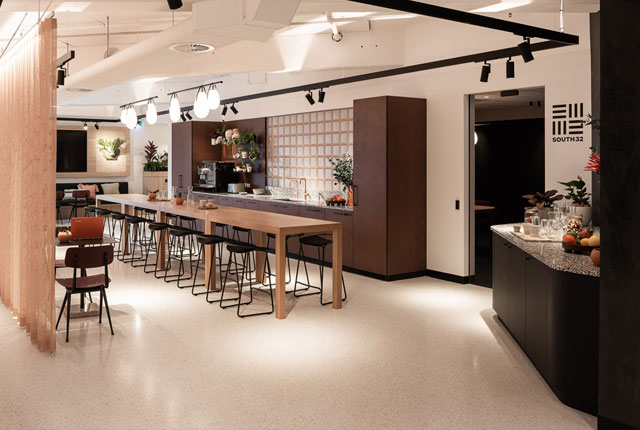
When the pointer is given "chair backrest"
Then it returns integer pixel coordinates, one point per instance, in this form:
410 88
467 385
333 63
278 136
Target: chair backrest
80 194
89 257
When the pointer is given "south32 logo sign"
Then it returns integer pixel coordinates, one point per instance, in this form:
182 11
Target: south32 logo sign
568 123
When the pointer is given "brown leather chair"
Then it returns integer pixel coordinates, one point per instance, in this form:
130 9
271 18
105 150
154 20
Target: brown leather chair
86 258
80 200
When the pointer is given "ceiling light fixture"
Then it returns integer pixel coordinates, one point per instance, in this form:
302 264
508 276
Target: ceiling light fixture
85 126
132 118
123 114
174 108
525 50
174 4
234 109
511 69
224 111
201 105
152 112
96 126
486 70
321 95
60 79
188 115
182 117
213 97
309 97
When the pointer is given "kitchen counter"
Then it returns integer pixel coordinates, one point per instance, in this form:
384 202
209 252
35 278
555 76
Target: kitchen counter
277 199
550 254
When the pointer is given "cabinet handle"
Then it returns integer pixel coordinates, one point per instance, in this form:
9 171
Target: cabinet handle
527 258
356 195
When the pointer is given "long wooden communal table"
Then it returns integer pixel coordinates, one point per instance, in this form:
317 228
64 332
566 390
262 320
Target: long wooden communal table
261 222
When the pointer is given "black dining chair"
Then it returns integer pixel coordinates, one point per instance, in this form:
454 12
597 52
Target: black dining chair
86 258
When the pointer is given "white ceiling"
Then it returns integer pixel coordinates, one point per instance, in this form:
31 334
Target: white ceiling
142 30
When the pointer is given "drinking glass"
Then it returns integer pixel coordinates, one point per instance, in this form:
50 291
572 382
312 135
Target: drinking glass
545 228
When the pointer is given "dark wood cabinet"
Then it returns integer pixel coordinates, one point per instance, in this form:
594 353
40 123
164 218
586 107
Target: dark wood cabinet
517 294
346 218
225 201
238 203
553 315
389 214
181 155
252 204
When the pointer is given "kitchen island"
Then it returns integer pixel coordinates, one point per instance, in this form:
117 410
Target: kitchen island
548 300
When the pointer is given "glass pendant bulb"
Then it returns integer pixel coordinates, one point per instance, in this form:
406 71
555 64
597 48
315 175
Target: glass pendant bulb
174 109
132 118
201 105
213 98
152 113
123 115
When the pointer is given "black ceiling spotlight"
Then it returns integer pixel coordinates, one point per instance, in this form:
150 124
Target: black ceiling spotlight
321 95
96 126
486 70
174 4
61 75
511 69
234 109
224 110
525 50
309 97
85 126
182 117
188 115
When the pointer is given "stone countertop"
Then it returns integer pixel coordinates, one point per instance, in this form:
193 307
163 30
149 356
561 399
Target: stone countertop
550 254
279 199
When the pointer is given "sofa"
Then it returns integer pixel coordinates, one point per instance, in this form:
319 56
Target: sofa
64 206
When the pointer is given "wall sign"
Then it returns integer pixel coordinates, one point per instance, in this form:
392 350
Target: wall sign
568 123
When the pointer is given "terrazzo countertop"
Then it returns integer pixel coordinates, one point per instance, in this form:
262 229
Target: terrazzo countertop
279 199
550 254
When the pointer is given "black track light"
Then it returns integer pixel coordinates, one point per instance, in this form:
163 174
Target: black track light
525 50
511 69
61 76
174 4
486 70
224 110
85 126
234 109
188 115
309 97
96 126
321 95
182 117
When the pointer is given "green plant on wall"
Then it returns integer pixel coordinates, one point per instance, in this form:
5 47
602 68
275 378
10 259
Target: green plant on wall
343 170
110 148
247 143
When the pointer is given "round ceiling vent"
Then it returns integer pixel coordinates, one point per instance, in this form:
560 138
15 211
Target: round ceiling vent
191 48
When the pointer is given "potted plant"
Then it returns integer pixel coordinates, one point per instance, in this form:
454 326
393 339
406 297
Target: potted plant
343 174
543 201
577 192
248 147
111 148
152 194
179 199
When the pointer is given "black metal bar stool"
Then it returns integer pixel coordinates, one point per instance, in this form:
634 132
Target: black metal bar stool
245 250
115 218
207 240
235 238
135 238
90 211
150 216
106 214
154 244
320 243
286 247
178 237
171 219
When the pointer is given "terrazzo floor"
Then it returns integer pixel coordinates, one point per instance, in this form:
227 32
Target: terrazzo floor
413 354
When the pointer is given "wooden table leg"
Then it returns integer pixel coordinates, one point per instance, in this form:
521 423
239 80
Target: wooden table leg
161 238
210 255
281 257
125 230
261 257
337 267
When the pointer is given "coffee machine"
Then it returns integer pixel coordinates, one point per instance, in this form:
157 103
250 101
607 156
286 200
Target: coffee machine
215 175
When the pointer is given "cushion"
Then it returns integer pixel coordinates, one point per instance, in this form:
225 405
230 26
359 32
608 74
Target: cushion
111 188
59 195
68 194
92 188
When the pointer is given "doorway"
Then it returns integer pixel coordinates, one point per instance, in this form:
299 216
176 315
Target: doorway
507 162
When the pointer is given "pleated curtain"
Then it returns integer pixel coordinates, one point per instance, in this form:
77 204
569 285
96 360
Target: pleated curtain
27 181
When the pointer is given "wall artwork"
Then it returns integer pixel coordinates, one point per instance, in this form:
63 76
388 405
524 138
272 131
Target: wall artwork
567 124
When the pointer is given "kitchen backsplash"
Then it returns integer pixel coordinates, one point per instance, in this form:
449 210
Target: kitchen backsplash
299 145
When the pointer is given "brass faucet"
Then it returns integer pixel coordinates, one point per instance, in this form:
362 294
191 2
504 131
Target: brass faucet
295 181
306 194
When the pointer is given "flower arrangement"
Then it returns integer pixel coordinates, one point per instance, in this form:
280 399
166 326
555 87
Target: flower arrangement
593 165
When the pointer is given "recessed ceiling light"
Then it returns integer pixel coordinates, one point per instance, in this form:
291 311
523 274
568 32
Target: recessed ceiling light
499 7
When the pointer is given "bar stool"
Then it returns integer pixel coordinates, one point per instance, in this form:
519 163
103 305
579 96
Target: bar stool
135 238
245 250
172 219
207 240
320 243
177 246
90 211
190 224
155 244
106 214
150 216
115 217
286 247
235 238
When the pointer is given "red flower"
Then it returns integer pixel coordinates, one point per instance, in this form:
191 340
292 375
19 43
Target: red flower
594 163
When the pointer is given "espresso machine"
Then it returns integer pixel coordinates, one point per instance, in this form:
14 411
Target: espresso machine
216 175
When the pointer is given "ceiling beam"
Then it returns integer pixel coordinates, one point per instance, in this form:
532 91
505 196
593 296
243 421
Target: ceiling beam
454 15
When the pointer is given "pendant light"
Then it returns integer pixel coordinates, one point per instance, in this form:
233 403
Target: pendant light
201 105
174 108
132 118
123 115
152 113
213 98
